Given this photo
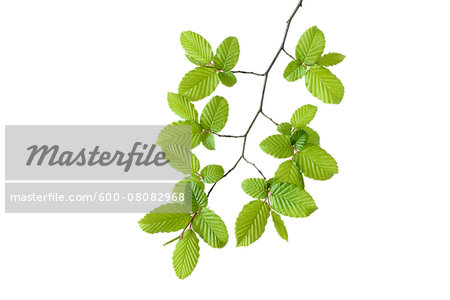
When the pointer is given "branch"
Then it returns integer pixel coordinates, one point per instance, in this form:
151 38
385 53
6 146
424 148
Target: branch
260 110
245 72
276 124
229 136
228 172
249 162
288 54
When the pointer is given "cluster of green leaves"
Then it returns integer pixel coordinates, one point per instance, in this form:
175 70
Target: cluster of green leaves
309 62
285 193
192 216
203 80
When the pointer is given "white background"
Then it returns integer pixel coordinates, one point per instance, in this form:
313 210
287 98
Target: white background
382 228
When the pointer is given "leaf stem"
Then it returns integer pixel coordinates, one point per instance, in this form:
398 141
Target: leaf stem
171 241
260 110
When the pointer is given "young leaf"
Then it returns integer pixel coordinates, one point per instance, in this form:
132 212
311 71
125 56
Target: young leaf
180 133
279 225
284 128
227 78
288 172
198 83
211 228
314 137
212 173
215 114
186 254
291 200
194 193
196 47
195 179
294 71
322 84
182 107
208 141
251 222
299 139
310 46
331 59
316 163
227 54
179 157
165 218
255 187
177 133
199 198
195 62
184 186
195 163
303 116
277 145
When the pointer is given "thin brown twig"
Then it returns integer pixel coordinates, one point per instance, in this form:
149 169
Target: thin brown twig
260 110
250 73
229 136
284 50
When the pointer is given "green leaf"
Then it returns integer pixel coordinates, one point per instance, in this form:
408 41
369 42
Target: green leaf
186 254
199 198
291 200
255 187
211 228
196 47
314 137
289 172
180 186
179 157
208 141
279 225
178 133
182 107
195 62
322 84
277 145
196 132
316 163
227 54
284 128
251 222
294 71
186 133
195 163
227 78
331 59
215 114
198 83
303 116
310 46
212 173
299 139
194 193
165 218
